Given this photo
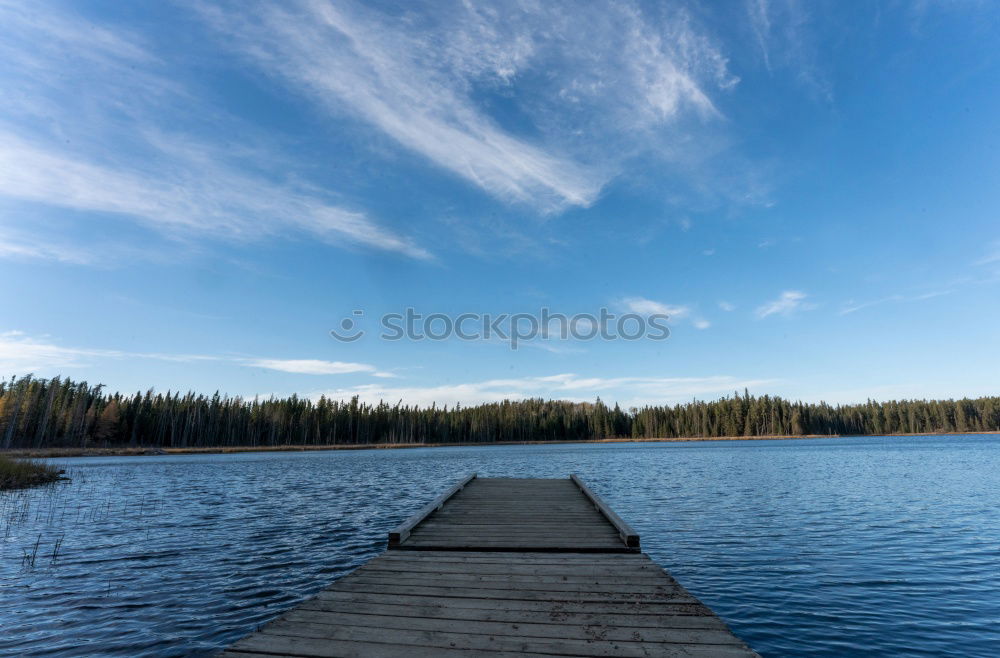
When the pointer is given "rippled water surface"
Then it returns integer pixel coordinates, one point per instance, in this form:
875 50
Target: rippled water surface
854 546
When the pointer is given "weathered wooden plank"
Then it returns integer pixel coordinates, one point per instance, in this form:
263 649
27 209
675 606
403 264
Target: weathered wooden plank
637 577
480 495
489 534
497 557
534 483
505 557
549 614
507 483
534 526
583 527
555 543
538 535
505 563
521 585
488 556
513 523
517 547
522 516
538 526
532 496
502 536
523 504
535 629
489 493
321 634
541 606
516 511
519 513
465 578
487 517
444 568
526 518
282 645
569 596
514 507
517 480
578 529
480 541
507 537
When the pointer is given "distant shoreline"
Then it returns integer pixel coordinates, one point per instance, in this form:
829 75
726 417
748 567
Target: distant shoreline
53 453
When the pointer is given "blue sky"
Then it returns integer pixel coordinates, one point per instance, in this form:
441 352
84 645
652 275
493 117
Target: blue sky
193 194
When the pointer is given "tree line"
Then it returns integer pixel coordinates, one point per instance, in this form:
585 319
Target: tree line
58 412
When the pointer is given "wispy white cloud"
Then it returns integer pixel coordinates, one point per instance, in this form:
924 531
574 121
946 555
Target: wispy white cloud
853 307
783 32
760 22
313 366
644 306
543 344
921 14
787 303
187 195
726 306
416 77
992 255
630 391
22 354
60 65
18 245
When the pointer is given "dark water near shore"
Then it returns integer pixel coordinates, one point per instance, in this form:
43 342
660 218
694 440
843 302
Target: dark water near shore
833 547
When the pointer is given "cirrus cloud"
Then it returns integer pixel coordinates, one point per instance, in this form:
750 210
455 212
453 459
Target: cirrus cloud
787 303
593 80
91 126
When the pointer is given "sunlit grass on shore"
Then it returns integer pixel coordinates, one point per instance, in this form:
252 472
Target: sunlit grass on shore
20 473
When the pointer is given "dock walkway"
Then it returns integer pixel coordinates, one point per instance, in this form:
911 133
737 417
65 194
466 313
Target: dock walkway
503 567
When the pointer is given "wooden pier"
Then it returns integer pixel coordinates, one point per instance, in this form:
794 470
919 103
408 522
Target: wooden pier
503 567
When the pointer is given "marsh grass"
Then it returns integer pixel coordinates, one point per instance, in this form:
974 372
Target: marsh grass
20 473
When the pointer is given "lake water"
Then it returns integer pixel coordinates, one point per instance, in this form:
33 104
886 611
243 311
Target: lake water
835 547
